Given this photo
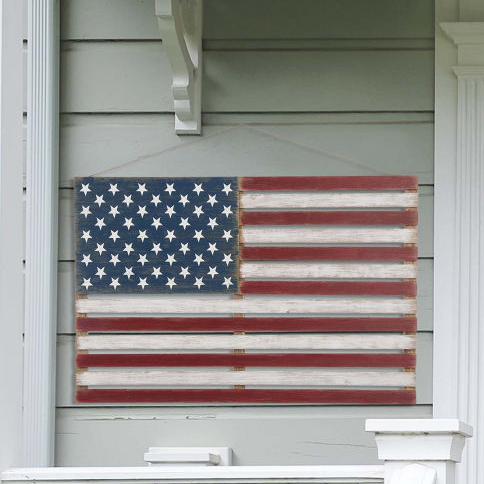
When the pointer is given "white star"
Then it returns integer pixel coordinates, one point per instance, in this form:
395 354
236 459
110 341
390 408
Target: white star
199 282
86 283
142 235
227 211
156 248
86 259
100 223
127 200
212 272
128 248
170 210
142 282
142 259
128 222
99 200
156 272
227 258
212 223
212 200
100 248
100 272
86 235
227 188
183 199
170 259
115 282
156 223
198 188
156 200
198 259
184 272
113 188
169 188
198 211
171 282
85 211
142 210
141 188
184 248
184 223
227 282
212 247
85 188
114 211
198 235
170 234
114 235
227 235
128 272
114 259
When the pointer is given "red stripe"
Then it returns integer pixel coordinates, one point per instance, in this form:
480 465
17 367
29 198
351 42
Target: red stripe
249 324
403 217
330 183
369 397
348 360
330 288
330 253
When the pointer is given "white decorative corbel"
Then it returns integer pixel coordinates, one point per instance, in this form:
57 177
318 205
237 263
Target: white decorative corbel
180 24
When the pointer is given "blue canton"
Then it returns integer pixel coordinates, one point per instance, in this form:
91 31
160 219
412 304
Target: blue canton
156 235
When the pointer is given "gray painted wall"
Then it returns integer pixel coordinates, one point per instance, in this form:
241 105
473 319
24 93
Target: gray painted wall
334 87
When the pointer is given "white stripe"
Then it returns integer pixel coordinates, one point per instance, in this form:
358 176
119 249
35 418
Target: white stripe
276 304
310 270
251 377
320 235
327 200
334 341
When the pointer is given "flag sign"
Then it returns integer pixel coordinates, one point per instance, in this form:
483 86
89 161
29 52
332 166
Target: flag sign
246 290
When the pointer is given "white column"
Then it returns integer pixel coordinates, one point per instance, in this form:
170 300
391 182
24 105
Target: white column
41 235
459 341
11 231
419 451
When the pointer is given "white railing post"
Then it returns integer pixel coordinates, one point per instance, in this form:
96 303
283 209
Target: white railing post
419 451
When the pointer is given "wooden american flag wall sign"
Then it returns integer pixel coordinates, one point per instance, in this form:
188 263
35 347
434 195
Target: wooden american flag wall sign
274 290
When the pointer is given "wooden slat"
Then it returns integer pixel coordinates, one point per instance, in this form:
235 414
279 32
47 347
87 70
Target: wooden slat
330 183
321 270
330 253
343 360
316 378
402 217
374 341
248 324
330 288
368 397
318 235
249 200
280 305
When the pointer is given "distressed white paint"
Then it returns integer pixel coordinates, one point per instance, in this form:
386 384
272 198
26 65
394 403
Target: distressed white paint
250 377
278 305
415 474
261 200
334 341
41 235
314 270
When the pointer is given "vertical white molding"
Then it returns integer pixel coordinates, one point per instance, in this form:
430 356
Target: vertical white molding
11 231
41 235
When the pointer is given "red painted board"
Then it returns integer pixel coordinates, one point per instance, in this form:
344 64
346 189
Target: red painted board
247 324
368 397
330 183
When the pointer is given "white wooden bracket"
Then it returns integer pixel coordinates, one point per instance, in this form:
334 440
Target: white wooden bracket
180 24
189 456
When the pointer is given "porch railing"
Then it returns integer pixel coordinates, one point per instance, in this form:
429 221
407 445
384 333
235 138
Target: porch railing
413 452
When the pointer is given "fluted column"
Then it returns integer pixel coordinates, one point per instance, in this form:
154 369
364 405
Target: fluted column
41 235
